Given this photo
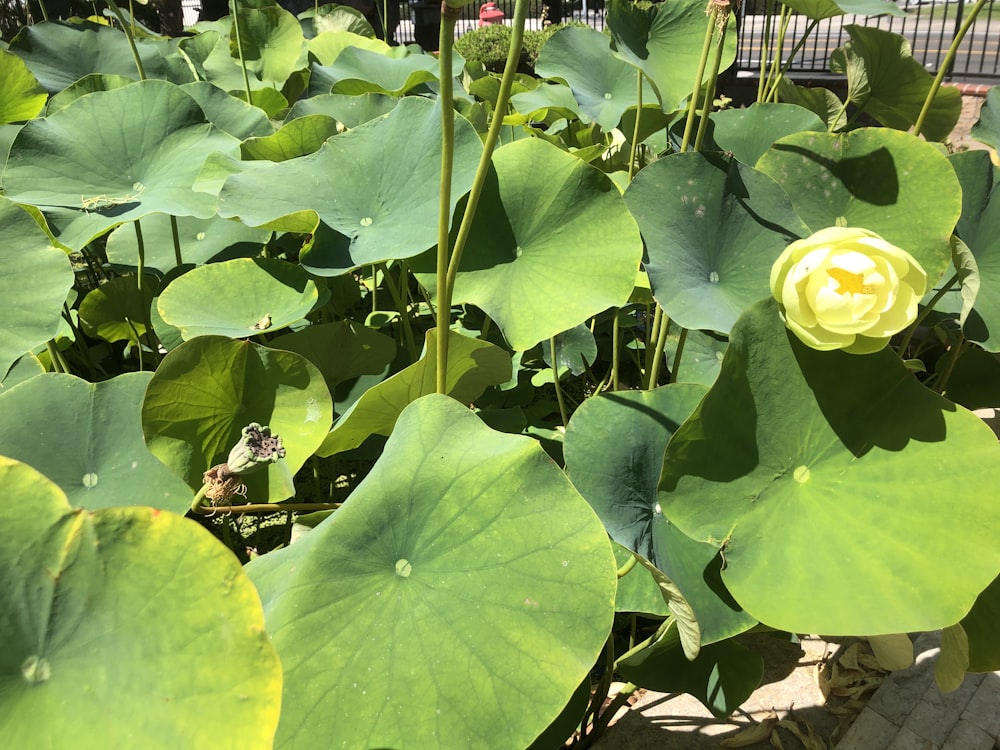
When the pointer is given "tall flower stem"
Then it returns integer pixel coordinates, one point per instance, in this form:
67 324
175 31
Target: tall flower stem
946 65
129 36
446 279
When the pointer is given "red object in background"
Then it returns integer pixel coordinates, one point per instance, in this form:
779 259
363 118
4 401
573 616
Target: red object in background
489 13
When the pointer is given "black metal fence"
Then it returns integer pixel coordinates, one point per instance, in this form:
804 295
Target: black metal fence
929 25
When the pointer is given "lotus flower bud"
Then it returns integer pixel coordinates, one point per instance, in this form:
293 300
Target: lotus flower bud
847 288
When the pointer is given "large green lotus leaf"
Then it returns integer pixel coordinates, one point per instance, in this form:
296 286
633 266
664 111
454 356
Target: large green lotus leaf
86 85
394 72
301 136
978 228
987 128
980 626
460 595
820 9
342 351
350 111
614 449
208 389
59 53
227 113
748 133
33 286
637 590
201 241
86 438
889 182
549 99
823 102
576 350
604 85
115 156
21 96
238 298
327 47
711 236
328 18
23 369
551 244
813 471
118 624
473 365
377 185
886 81
722 676
116 310
272 42
665 42
208 52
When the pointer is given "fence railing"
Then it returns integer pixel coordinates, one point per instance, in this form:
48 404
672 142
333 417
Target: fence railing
929 25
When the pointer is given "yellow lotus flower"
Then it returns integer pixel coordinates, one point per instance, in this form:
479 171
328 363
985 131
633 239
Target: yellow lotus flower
847 288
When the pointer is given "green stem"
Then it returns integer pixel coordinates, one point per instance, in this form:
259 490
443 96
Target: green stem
147 320
634 152
446 98
946 65
615 351
957 350
602 721
702 64
262 508
784 17
196 506
131 40
177 241
446 280
661 344
712 82
404 313
791 57
928 308
677 355
651 336
554 353
55 357
239 47
625 569
764 48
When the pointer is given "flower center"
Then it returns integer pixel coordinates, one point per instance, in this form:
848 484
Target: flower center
850 283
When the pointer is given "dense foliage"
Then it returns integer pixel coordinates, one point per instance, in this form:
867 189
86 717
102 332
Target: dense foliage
354 396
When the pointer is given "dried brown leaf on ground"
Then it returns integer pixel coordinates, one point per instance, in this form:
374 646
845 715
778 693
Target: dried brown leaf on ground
756 733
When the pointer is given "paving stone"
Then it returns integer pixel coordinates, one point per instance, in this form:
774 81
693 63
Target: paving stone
984 708
870 731
907 740
967 736
903 690
934 716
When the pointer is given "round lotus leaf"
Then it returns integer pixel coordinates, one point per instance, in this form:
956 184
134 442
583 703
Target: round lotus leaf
208 389
712 235
87 438
614 450
820 9
978 229
272 43
361 183
665 42
749 132
886 181
201 241
119 624
460 595
350 111
227 113
115 156
342 351
394 71
60 53
551 245
299 137
604 85
33 286
23 369
835 486
118 310
238 298
327 18
21 96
